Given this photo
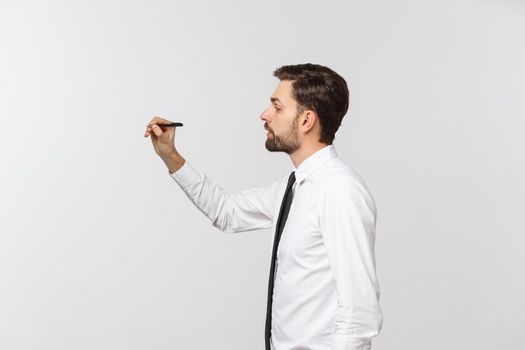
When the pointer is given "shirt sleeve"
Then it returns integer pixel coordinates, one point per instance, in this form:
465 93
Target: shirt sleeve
248 210
347 222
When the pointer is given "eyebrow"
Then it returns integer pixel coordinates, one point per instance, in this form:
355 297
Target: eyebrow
276 99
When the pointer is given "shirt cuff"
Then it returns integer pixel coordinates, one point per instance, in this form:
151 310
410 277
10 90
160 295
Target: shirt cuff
342 343
185 175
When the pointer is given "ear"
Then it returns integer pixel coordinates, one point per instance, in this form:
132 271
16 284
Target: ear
309 119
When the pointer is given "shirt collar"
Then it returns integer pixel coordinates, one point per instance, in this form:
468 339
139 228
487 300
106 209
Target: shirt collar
314 161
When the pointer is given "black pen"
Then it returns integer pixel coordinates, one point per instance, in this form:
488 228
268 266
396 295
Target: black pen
167 125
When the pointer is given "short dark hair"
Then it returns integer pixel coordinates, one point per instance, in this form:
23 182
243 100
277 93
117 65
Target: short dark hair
320 89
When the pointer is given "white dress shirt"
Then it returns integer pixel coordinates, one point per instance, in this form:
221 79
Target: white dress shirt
326 294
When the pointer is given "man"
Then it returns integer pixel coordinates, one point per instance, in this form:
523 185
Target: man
323 291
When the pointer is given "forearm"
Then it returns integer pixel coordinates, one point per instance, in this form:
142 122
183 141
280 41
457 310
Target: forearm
251 209
174 161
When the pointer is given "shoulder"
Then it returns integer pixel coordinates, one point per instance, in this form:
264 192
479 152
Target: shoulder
343 183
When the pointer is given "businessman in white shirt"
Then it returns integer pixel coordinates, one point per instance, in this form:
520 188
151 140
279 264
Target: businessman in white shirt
323 294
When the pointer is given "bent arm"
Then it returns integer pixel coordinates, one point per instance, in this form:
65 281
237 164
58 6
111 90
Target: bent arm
230 212
348 218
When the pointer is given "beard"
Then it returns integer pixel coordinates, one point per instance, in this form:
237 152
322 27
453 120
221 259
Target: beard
288 143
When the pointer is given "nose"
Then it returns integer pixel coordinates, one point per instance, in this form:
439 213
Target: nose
265 115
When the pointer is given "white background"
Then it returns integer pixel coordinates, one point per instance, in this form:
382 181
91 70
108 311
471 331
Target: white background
100 248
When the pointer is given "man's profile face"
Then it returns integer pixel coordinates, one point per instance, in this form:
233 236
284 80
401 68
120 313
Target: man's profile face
281 120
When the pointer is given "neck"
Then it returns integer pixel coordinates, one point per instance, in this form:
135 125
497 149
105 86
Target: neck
304 152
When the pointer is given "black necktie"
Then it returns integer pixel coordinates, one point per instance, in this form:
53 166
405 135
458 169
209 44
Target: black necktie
283 215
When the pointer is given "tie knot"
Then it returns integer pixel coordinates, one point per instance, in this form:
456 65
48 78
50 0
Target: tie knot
291 179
